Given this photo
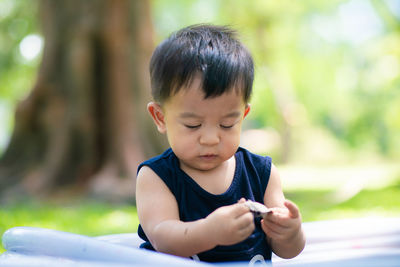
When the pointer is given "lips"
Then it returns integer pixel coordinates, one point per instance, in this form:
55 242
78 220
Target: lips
208 156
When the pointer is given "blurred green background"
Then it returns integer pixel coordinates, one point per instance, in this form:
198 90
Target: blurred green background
326 92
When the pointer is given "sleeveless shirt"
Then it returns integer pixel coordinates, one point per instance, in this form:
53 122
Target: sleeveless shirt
250 180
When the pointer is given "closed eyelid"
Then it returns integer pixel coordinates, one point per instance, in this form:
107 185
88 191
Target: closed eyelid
229 125
192 126
230 119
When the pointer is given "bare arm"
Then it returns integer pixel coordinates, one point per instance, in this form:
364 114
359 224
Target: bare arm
159 216
283 225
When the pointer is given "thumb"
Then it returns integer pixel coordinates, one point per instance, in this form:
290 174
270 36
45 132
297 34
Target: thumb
242 200
293 209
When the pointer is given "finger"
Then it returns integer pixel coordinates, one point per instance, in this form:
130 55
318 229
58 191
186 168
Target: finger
247 231
276 226
293 209
245 220
250 228
277 216
275 232
279 212
242 200
239 209
270 232
274 235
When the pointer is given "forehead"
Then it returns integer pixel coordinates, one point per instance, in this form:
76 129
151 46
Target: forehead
194 89
191 100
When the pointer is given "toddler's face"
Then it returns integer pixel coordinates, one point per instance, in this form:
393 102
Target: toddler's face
203 133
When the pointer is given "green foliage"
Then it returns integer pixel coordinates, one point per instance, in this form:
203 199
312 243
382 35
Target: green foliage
331 64
18 19
335 61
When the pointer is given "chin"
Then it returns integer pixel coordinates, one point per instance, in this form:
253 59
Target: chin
201 166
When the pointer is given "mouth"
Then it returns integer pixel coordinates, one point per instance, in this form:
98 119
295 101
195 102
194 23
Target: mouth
208 156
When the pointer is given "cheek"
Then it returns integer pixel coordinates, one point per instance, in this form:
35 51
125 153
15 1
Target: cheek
232 140
236 132
179 140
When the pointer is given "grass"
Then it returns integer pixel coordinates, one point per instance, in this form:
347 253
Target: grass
351 192
320 205
98 218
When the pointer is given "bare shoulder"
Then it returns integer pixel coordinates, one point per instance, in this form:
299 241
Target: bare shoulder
149 184
147 181
274 173
273 196
145 175
154 201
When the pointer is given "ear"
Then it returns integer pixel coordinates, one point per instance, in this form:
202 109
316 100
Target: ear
247 110
157 115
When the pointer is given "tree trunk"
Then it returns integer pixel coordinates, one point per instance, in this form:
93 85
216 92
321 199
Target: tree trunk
84 125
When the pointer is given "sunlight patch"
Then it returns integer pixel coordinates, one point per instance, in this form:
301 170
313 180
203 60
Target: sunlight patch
31 46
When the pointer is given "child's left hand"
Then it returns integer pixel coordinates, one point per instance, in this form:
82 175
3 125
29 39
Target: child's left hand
282 224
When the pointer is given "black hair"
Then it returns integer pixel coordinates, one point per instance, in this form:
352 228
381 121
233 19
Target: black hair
213 51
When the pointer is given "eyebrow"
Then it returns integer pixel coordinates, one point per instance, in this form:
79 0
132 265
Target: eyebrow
185 115
188 115
233 114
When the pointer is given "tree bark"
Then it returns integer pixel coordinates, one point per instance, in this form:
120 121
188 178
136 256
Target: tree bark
84 125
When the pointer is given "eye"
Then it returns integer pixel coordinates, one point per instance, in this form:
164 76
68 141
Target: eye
226 126
192 126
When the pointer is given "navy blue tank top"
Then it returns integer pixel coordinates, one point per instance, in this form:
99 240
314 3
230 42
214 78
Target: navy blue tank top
250 181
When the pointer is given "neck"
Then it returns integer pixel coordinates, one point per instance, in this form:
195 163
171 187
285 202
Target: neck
215 181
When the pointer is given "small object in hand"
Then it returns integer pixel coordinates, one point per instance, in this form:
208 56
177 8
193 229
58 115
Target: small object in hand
258 209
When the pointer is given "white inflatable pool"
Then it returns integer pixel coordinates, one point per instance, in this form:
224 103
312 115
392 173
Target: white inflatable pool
362 242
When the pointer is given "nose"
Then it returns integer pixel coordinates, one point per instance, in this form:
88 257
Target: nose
209 137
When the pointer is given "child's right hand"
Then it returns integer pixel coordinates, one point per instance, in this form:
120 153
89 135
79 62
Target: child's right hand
230 224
